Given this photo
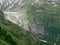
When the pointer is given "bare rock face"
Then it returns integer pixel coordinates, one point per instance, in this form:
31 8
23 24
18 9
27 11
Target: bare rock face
18 17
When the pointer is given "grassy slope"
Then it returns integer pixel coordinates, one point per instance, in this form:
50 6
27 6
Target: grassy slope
6 28
8 38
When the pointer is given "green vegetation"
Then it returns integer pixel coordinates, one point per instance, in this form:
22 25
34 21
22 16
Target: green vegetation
11 34
8 37
47 16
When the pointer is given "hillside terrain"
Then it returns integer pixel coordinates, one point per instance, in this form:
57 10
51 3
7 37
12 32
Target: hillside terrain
25 22
11 34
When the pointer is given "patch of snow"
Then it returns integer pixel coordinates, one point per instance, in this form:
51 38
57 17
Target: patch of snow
43 40
54 43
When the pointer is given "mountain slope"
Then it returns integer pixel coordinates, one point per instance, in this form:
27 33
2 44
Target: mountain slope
45 17
11 34
8 38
